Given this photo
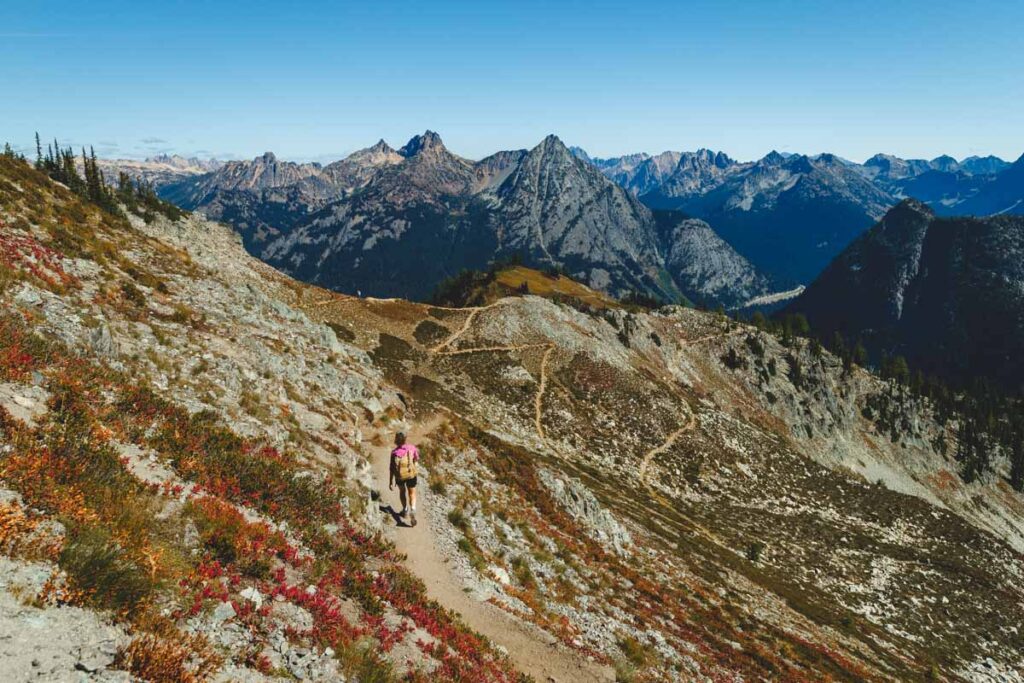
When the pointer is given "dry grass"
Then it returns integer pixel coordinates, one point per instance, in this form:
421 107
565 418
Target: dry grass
553 287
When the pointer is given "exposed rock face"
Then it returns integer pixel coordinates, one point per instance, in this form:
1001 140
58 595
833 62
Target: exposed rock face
158 171
582 505
695 173
555 208
948 293
983 165
887 168
355 170
1003 195
704 264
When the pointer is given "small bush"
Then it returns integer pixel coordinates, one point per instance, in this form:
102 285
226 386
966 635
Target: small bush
97 565
133 294
458 520
437 485
754 551
158 660
733 360
521 569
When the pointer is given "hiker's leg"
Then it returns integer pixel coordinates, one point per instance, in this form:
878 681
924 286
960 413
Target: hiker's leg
401 495
412 498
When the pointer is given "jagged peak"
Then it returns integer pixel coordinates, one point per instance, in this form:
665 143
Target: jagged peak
773 158
429 141
267 158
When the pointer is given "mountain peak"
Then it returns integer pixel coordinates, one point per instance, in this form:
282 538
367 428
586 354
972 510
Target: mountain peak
267 158
428 142
773 158
552 141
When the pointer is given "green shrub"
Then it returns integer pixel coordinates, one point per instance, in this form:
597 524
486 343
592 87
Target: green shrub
97 565
754 551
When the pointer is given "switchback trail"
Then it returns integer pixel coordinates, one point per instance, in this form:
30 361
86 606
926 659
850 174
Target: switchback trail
531 650
667 444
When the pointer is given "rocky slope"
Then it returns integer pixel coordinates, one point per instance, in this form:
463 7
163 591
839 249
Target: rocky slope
670 494
738 508
713 270
184 466
945 292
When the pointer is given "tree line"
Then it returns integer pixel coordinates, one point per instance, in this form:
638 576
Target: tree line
137 196
986 419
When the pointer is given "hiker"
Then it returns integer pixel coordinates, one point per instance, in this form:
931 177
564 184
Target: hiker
404 459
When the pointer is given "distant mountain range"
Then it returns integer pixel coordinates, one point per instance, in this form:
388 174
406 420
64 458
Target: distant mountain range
769 224
158 171
360 223
946 292
791 214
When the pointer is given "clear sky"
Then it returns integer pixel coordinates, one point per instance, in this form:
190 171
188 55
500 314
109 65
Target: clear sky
317 80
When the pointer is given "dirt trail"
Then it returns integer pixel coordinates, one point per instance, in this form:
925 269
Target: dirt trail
467 323
490 349
672 438
531 650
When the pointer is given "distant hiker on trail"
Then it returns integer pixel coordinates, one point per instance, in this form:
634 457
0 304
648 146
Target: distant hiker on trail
404 459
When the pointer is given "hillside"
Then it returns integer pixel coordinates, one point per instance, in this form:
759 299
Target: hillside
944 292
193 466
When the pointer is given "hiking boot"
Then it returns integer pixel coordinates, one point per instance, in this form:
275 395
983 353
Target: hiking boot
403 513
412 518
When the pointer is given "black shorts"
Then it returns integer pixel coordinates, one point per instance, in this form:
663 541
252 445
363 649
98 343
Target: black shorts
410 483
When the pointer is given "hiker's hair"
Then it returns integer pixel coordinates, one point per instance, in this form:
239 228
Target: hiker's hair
400 438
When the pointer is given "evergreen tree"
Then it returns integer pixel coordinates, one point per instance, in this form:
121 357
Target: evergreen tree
1017 463
39 152
860 354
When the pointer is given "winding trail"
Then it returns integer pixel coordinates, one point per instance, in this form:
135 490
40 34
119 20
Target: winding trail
491 349
467 323
667 444
531 650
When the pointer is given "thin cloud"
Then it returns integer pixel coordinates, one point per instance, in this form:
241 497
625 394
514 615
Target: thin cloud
35 35
154 141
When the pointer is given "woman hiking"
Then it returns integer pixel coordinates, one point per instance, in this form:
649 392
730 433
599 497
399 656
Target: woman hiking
404 460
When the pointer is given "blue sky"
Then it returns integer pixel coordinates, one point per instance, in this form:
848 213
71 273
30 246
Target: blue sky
317 80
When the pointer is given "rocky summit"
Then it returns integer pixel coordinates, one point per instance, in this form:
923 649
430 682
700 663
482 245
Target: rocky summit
194 451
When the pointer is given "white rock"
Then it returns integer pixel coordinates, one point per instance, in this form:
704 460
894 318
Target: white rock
223 612
253 596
